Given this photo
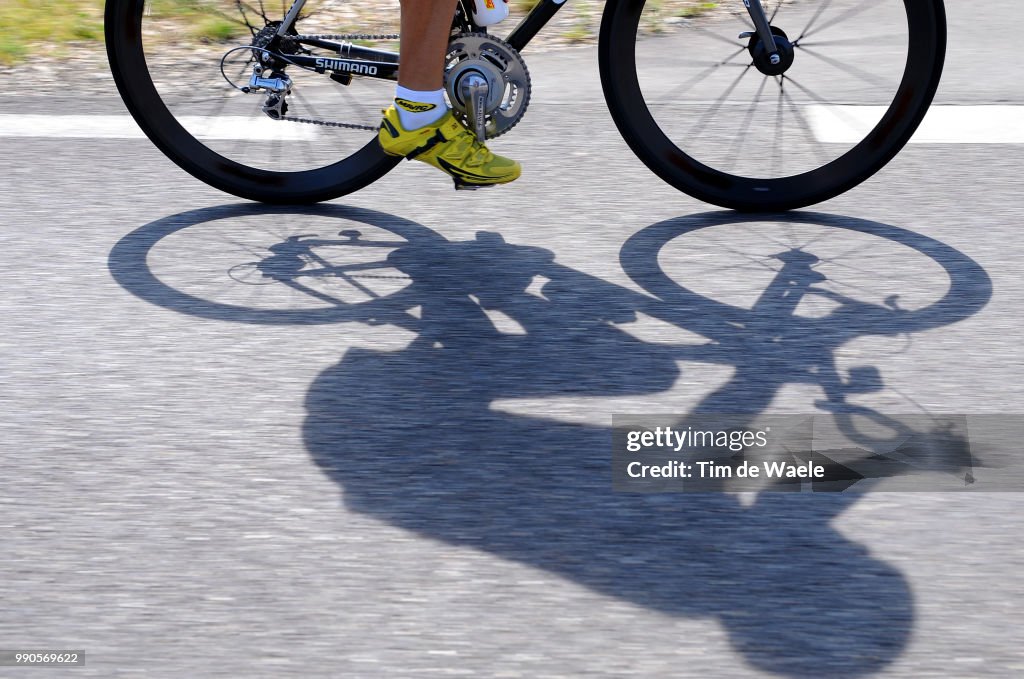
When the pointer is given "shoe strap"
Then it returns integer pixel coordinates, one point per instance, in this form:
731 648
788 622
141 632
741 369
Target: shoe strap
433 141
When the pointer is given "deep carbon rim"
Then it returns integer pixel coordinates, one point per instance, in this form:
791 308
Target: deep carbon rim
633 115
127 56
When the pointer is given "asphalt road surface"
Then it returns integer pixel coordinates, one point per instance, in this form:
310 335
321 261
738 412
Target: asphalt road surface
209 474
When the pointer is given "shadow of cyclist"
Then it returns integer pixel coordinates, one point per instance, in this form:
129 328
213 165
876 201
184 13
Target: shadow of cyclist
412 438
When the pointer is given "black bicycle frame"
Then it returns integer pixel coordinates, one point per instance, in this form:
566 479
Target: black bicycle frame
350 60
344 66
383 64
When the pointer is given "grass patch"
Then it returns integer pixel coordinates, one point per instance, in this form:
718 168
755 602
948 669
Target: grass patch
33 26
11 50
697 10
215 29
26 25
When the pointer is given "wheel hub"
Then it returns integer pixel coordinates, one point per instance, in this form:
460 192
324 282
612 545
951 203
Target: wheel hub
768 63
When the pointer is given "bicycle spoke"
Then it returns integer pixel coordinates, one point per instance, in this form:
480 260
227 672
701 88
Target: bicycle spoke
715 36
309 146
814 239
278 234
853 122
817 15
764 235
201 7
721 100
218 99
733 156
718 64
858 269
780 130
241 9
852 70
806 127
720 246
308 13
244 67
276 150
743 19
235 144
686 86
861 40
849 14
778 6
755 263
847 253
791 236
361 109
245 246
301 98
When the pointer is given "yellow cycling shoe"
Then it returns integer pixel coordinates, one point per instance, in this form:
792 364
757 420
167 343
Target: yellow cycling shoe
450 147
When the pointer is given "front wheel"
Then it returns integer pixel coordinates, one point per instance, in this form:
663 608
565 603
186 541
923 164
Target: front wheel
179 66
705 109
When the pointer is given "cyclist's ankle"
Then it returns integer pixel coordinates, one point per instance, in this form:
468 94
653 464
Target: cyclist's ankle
418 109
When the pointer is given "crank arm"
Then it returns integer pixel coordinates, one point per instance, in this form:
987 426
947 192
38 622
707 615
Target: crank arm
474 93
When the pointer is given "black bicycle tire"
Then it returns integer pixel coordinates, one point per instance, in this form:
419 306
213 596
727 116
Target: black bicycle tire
623 95
122 24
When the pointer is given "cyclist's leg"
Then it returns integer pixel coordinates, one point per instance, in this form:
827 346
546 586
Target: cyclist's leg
425 28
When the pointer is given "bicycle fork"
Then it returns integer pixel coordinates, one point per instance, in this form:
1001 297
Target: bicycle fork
764 29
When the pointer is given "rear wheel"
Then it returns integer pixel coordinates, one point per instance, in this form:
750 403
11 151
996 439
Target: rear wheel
176 71
706 110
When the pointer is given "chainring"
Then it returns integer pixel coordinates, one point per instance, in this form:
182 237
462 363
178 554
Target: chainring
508 79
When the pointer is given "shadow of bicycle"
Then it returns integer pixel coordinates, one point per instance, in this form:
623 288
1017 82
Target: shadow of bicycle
412 436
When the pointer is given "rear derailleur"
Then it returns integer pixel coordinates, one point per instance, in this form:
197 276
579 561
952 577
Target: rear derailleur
278 86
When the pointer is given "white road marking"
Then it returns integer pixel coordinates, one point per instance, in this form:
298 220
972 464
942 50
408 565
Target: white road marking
831 125
124 127
942 124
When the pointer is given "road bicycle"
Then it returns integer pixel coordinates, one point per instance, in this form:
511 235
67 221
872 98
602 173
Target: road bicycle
771 105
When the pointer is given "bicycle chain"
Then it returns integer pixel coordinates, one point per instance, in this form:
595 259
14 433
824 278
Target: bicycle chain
355 36
336 36
330 123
